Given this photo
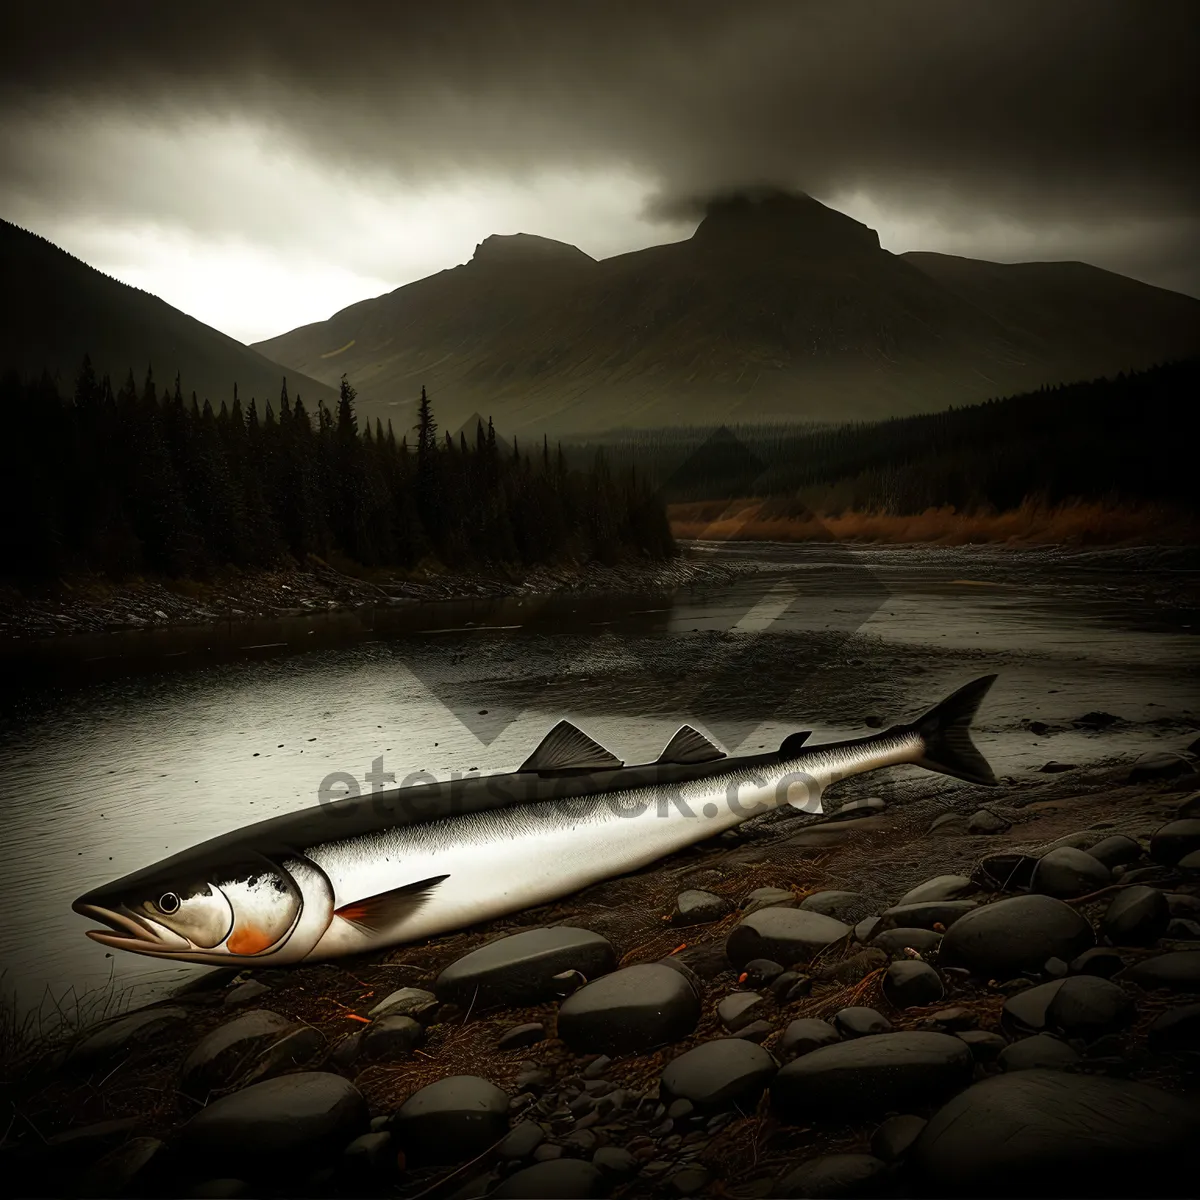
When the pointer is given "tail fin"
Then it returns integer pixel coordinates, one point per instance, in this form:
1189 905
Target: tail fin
946 731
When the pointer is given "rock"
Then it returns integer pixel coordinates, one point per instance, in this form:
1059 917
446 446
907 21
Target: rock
252 989
280 1127
954 1018
1178 969
615 1162
105 1041
1116 851
1191 806
1158 765
893 941
1019 934
1175 840
912 984
983 820
805 1035
1180 904
695 907
122 1170
451 1120
1057 768
867 928
1176 1030
1099 961
1097 720
895 1137
1027 1008
984 1045
521 1141
1190 862
801 987
407 1002
843 906
391 1037
367 1162
1088 1007
520 968
756 1031
760 972
1137 916
725 1073
1040 1052
705 959
855 968
787 935
298 1048
1067 873
559 1179
740 1009
219 1057
869 807
768 897
940 887
689 1181
927 914
834 1175
871 1075
1050 1133
1181 930
859 1021
1007 872
1055 968
952 823
519 1036
631 1010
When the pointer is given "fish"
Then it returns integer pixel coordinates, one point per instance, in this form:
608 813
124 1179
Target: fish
351 876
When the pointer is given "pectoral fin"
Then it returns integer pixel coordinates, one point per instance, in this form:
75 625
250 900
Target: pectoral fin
376 914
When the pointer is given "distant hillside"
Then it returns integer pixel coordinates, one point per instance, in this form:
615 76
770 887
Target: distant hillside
777 308
59 308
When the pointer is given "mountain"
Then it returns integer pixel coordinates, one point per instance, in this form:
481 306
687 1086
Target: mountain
59 308
777 308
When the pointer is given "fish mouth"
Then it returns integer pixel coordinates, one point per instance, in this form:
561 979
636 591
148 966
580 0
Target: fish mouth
129 931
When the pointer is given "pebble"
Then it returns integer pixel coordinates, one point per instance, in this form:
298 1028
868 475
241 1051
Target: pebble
1156 764
299 1048
767 897
390 1038
520 1036
1042 1051
867 928
912 984
614 1161
984 1045
689 1181
520 968
927 913
218 1057
895 1137
855 809
984 821
844 906
694 907
451 1120
724 1073
252 989
855 968
633 1009
1086 1006
940 887
1177 1029
367 1161
1053 1133
1180 930
1007 872
1175 840
1116 851
556 1179
740 1009
1067 872
407 1002
805 1035
123 1170
892 941
786 935
859 1021
110 1038
761 972
1136 916
869 1076
1177 969
833 1175
1018 934
1027 1008
1099 961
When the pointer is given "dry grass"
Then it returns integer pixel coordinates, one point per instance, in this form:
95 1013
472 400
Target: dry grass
1080 523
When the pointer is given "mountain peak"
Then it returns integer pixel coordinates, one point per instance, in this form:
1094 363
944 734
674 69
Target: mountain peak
528 248
780 218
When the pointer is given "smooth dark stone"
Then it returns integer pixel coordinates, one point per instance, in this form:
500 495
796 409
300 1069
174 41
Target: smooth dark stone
520 968
1055 968
343 1055
892 941
801 987
689 1181
406 1002
1088 1007
104 1041
1099 961
786 935
927 914
597 1067
1180 904
451 1120
955 1018
912 984
1007 872
767 897
1052 1133
299 1048
834 1175
871 1075
1042 1051
756 1031
805 1035
1067 872
695 907
761 972
940 887
252 989
1116 851
1179 930
122 1170
739 1009
1178 969
281 1126
895 1137
705 959
1156 764
390 1037
984 821
1137 916
1000 940
984 1045
856 809
369 1159
1175 840
219 1057
842 906
867 928
558 1179
725 1073
1177 1029
1027 1008
859 1021
520 1036
631 1010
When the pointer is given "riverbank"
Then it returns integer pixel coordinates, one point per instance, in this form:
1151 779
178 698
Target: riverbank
754 966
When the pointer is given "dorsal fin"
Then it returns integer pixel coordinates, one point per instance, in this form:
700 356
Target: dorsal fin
567 748
689 745
792 743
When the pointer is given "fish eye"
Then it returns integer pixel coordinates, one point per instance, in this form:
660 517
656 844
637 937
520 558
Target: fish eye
168 903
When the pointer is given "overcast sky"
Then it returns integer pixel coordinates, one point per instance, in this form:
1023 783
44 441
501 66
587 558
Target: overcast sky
262 164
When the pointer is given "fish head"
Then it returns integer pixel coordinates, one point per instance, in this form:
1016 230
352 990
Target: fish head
218 911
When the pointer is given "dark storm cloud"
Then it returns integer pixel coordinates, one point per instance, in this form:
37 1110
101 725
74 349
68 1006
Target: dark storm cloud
1072 109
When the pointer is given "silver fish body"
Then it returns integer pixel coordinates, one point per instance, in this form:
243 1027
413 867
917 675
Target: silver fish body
400 866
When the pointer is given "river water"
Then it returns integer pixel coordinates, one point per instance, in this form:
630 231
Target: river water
121 749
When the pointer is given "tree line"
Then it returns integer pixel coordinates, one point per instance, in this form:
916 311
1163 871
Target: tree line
143 480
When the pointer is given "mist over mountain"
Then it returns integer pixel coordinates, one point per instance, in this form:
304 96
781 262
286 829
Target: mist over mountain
778 307
59 308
